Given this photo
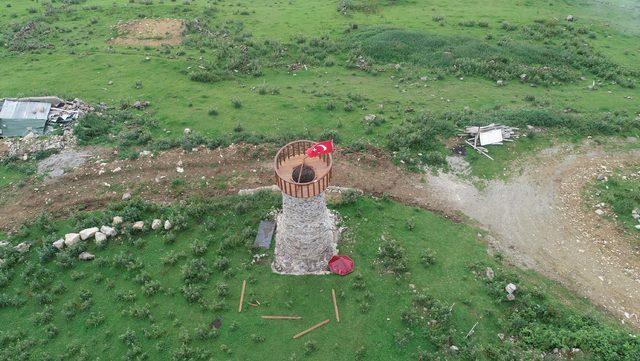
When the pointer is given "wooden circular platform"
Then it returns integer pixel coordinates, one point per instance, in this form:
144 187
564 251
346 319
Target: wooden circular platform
291 156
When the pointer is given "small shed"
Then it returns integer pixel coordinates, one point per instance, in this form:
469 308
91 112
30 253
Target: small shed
18 118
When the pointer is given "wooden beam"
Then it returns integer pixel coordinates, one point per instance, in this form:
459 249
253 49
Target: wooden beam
335 305
277 317
244 287
311 328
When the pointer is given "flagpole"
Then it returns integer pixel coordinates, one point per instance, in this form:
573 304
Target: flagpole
301 167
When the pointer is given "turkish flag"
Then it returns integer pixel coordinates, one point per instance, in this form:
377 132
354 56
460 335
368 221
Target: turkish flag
317 149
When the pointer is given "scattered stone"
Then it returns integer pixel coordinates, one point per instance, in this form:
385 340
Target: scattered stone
511 288
139 225
88 233
490 274
635 214
108 231
599 212
116 170
156 224
4 244
117 220
511 297
500 82
369 118
22 247
140 104
601 177
454 348
167 225
100 238
126 196
179 169
2 262
186 131
71 239
86 256
569 17
59 244
638 226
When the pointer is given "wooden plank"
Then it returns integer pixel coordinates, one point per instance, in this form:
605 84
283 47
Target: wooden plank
335 305
280 317
311 328
244 287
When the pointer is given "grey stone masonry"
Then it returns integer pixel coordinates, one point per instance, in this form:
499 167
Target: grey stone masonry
306 236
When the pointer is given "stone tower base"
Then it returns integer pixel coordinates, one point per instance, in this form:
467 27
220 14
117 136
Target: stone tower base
306 236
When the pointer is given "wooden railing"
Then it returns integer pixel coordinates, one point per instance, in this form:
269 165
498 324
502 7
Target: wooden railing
289 157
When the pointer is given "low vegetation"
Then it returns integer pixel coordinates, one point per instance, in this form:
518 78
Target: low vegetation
160 299
621 192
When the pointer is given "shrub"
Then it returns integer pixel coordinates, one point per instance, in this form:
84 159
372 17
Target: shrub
393 256
427 257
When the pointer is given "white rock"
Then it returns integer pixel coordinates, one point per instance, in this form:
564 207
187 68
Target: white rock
4 244
569 17
100 238
86 256
59 244
117 220
637 226
156 224
511 288
369 117
454 348
116 170
71 239
108 231
511 297
2 262
179 169
126 196
186 131
599 212
88 233
500 82
167 225
138 225
22 247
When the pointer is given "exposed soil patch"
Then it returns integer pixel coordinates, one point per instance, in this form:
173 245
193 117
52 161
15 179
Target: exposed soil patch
149 32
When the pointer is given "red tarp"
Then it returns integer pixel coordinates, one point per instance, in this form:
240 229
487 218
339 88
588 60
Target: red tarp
341 265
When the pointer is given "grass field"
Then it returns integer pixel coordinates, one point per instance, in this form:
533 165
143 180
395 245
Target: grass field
153 295
268 71
71 58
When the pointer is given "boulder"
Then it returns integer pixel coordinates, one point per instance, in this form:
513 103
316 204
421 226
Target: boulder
454 348
88 233
86 256
59 244
71 239
126 196
117 220
100 238
569 17
22 247
186 131
139 225
156 224
108 231
511 288
167 225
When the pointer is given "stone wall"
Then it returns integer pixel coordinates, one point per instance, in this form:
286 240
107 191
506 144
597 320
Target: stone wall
306 236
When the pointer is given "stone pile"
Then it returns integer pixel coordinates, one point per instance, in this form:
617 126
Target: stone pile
22 147
67 111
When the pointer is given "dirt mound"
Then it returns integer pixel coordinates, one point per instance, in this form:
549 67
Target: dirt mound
149 32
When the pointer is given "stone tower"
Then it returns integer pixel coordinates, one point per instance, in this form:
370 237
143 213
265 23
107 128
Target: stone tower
306 235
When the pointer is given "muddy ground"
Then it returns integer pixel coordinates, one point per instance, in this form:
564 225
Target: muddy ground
539 219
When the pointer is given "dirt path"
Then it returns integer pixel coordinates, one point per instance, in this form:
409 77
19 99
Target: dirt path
538 219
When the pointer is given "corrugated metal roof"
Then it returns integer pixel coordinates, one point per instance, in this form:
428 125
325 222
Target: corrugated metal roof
24 110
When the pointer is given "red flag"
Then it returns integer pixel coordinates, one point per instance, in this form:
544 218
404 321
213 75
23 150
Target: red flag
317 149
